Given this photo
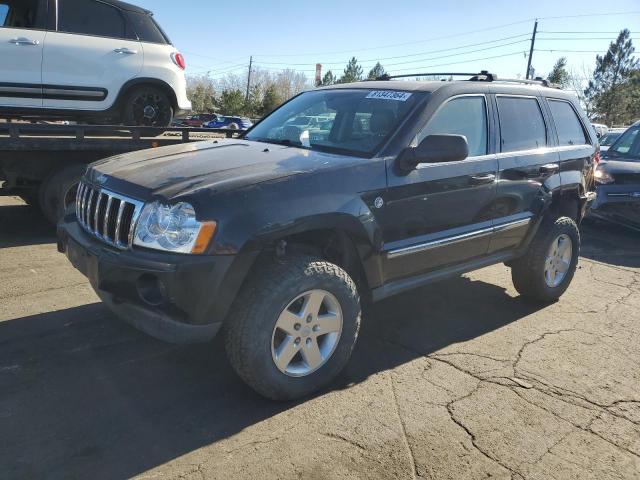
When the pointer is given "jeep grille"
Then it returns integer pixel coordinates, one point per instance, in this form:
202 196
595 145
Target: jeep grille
107 215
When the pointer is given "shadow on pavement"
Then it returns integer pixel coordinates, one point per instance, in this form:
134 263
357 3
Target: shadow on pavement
21 224
85 395
609 243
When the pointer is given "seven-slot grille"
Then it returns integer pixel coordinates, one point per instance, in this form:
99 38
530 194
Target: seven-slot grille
107 215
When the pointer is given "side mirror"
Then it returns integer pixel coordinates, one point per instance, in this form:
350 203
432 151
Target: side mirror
435 149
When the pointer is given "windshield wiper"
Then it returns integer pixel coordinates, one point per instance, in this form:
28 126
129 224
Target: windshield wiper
276 141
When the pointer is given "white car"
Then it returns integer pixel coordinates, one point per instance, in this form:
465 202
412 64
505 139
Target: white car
600 128
88 60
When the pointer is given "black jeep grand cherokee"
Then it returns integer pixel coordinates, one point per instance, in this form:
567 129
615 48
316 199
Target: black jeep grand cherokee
280 235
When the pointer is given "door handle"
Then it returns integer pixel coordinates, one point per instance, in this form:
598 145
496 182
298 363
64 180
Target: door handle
126 51
483 179
549 168
24 41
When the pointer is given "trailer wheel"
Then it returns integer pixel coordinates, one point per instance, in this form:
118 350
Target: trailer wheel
59 191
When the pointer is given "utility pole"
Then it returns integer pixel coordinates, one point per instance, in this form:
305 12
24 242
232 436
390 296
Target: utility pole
533 41
246 97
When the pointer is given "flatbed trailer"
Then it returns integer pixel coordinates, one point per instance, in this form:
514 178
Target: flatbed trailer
42 163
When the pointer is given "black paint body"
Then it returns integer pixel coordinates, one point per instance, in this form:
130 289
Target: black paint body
468 213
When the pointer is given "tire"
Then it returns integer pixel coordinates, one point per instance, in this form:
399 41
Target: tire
147 106
233 126
277 288
532 274
58 191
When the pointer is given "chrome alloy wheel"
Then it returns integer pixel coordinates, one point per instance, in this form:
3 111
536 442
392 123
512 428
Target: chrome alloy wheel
558 260
306 333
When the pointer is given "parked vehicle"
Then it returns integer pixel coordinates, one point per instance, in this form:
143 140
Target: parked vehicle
232 123
87 60
281 239
600 128
197 120
618 181
608 138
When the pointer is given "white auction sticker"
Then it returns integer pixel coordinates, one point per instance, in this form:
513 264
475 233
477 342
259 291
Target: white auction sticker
389 95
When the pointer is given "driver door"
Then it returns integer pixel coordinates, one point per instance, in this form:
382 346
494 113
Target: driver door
441 213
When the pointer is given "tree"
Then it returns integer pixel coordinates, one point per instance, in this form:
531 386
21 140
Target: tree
376 72
328 79
231 102
613 72
559 74
352 72
200 91
271 100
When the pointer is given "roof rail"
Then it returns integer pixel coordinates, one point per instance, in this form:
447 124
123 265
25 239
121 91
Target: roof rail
386 76
483 76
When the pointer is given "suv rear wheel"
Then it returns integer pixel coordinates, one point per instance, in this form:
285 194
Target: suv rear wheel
147 106
547 269
293 326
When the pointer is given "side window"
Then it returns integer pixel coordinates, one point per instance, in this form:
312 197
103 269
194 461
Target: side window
521 124
27 14
146 28
568 126
89 17
461 116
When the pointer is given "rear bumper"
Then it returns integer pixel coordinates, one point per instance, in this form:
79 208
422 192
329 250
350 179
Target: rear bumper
618 203
176 298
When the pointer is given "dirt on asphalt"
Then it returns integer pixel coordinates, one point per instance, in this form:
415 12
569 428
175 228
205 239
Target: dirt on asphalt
460 380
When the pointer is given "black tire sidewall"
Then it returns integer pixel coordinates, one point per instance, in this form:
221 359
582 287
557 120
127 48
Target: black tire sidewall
272 382
54 190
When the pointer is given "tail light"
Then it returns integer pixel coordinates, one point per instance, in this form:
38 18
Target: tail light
178 59
596 158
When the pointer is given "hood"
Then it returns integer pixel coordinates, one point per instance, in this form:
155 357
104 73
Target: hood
218 166
617 166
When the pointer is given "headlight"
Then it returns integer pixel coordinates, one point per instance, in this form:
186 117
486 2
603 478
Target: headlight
602 176
173 228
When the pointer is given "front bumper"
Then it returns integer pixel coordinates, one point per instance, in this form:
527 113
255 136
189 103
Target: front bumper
618 204
173 297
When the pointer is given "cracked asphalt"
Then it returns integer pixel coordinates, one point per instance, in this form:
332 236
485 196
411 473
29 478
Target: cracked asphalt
460 380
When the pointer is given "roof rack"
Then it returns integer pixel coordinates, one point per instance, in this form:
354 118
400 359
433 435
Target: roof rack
483 76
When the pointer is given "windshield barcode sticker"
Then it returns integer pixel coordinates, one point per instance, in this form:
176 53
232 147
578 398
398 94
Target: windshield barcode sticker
389 95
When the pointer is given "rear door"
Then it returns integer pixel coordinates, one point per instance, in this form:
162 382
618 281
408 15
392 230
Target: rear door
22 34
528 167
89 58
440 213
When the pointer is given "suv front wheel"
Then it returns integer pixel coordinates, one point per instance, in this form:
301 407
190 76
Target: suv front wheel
293 326
547 269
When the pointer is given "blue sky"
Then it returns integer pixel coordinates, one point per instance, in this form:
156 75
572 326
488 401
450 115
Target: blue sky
406 36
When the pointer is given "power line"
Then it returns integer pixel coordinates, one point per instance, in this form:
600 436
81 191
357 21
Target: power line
341 62
380 47
464 61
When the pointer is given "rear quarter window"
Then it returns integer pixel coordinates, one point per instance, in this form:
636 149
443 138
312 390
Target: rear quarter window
147 29
522 126
568 126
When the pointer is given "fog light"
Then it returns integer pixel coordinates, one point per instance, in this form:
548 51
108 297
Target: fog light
151 290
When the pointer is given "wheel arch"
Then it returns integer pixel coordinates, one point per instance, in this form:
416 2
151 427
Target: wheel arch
146 81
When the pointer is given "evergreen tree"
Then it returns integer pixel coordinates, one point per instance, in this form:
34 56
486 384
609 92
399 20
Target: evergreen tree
352 72
376 72
328 79
559 74
231 102
611 77
271 100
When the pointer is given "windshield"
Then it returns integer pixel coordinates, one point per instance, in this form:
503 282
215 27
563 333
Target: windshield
627 147
348 121
609 138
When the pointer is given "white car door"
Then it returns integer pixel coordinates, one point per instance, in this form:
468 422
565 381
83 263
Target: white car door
93 53
22 35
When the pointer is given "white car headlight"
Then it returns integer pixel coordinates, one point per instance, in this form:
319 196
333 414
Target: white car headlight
173 228
602 176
